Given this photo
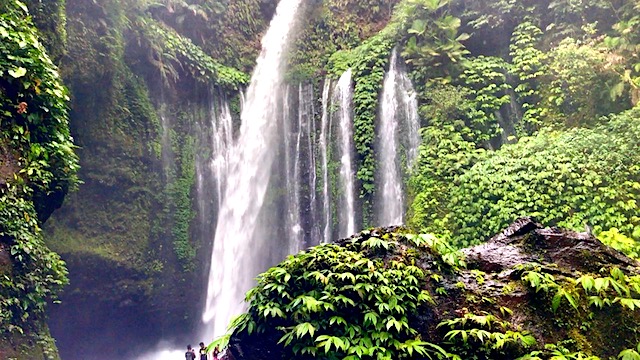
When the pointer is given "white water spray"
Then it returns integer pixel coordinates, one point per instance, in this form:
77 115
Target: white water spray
398 116
222 143
238 241
343 96
324 134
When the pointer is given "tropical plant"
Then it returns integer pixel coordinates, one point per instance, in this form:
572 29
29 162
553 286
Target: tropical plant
351 301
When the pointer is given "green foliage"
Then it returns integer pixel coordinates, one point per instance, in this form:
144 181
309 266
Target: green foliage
554 352
433 46
564 178
545 282
50 19
240 31
630 354
578 86
33 105
469 106
557 352
172 52
368 62
625 43
622 243
335 25
588 292
444 156
354 301
617 288
38 159
485 77
528 65
486 334
37 275
179 194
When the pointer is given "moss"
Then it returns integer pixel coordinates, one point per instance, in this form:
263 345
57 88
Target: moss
36 346
51 20
175 52
180 210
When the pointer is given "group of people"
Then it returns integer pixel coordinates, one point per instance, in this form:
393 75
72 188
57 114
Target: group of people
191 353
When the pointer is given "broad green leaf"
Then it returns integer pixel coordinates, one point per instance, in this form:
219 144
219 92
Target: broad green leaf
17 72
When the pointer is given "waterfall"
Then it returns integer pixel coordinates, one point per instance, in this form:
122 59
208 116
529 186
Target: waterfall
239 241
323 141
215 133
292 138
343 96
221 143
412 119
167 156
307 124
398 125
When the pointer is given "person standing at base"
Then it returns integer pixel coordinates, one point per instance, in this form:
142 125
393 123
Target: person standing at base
190 354
203 352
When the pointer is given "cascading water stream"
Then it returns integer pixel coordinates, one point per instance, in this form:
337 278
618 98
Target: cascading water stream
398 116
343 96
412 118
324 134
238 240
215 132
391 197
221 143
295 204
306 109
292 138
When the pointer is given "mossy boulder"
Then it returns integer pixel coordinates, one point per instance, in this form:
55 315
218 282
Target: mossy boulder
389 294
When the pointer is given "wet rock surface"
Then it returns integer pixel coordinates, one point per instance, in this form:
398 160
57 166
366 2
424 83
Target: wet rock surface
493 281
527 241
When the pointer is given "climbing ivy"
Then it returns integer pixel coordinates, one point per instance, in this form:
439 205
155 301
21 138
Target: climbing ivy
181 211
485 77
368 74
528 66
335 25
368 63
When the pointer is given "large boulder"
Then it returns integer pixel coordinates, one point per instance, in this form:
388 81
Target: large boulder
387 293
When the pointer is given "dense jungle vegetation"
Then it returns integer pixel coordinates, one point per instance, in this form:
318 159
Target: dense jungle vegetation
526 107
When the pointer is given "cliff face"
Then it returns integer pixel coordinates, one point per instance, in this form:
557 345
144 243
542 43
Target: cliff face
528 291
142 93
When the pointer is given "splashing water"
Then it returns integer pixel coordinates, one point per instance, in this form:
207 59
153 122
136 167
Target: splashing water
239 241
